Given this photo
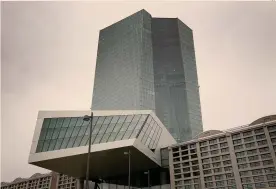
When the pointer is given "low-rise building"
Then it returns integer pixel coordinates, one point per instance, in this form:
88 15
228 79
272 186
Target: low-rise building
50 180
238 158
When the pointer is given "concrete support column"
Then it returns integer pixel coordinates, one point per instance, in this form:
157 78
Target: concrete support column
80 183
163 176
171 168
270 145
202 184
233 158
54 180
137 181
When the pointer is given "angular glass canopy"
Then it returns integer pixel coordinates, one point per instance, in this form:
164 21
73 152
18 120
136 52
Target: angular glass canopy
69 132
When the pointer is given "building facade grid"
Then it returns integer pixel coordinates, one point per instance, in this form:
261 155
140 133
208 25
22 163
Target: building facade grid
42 181
240 159
147 63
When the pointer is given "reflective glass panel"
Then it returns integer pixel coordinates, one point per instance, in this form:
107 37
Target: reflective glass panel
69 132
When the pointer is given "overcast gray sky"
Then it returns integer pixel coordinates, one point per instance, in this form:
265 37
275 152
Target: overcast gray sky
49 53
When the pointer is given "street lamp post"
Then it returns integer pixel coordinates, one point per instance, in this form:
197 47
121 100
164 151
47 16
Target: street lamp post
87 118
148 173
128 153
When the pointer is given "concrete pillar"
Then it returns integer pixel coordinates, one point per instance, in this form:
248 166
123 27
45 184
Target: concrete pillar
80 183
137 181
163 176
270 145
54 180
233 158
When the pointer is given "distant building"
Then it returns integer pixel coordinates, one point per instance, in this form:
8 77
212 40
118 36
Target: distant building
147 63
42 181
240 158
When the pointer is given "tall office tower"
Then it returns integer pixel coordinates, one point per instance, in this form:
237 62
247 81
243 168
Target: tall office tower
149 63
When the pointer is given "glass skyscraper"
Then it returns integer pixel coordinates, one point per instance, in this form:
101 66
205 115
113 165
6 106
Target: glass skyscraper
147 63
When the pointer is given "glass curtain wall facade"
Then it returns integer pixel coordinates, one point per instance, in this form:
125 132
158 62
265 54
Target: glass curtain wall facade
124 71
175 76
70 132
147 63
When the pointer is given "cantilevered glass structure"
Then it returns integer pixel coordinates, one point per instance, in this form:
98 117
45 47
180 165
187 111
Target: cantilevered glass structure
60 142
69 132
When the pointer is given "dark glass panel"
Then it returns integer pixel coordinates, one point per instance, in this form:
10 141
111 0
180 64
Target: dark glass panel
59 122
125 126
84 140
56 133
64 143
71 142
95 119
66 122
117 127
73 122
103 128
80 122
110 127
112 137
98 139
52 145
46 145
53 123
43 134
105 137
75 131
78 141
62 132
69 131
39 146
83 130
120 135
58 144
127 135
46 123
49 133
134 133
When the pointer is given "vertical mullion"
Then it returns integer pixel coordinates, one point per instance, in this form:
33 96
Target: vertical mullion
65 131
59 132
106 129
88 127
97 132
150 131
45 134
113 128
134 127
52 134
154 130
147 129
72 131
142 126
159 135
79 131
121 127
128 126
